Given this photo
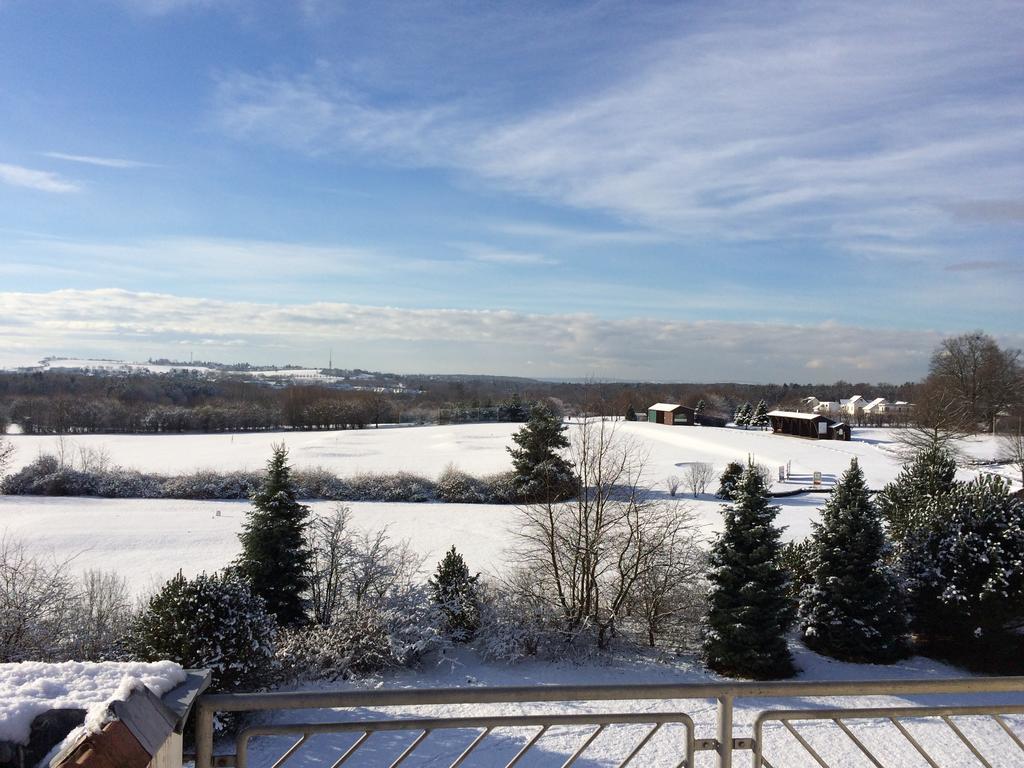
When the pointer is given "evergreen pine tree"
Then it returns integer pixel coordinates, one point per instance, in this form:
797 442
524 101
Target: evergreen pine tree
699 409
454 592
910 502
749 606
759 418
630 413
965 578
541 473
514 409
727 482
742 416
853 609
275 556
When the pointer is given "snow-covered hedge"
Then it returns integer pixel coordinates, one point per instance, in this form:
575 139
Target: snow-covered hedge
47 476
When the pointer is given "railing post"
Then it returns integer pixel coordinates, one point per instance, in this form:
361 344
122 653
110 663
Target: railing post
204 736
724 731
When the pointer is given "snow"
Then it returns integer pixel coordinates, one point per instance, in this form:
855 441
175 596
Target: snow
481 449
118 365
30 688
147 541
463 669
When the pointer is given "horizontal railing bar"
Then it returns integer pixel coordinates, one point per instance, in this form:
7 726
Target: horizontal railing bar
886 713
237 702
451 723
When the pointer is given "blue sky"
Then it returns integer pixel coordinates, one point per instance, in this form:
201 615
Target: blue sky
688 191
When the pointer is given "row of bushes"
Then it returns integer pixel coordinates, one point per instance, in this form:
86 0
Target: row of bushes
47 476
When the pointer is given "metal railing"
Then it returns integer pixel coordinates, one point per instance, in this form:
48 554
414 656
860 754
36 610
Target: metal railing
724 745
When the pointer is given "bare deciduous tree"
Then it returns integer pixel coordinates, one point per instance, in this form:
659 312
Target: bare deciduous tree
982 377
93 459
699 476
37 601
6 455
670 594
937 422
1011 451
673 482
590 556
331 555
101 615
351 569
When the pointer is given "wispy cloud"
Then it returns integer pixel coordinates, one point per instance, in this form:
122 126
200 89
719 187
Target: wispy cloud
760 122
489 254
986 265
103 162
121 323
577 236
43 181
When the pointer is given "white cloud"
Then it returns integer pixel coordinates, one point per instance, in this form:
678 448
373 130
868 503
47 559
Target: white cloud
120 323
488 254
103 162
754 122
43 181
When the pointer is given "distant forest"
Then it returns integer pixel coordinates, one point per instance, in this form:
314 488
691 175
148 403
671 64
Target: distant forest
68 402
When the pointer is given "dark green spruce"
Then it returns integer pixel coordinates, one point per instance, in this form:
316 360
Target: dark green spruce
853 608
275 556
454 592
910 503
541 473
750 610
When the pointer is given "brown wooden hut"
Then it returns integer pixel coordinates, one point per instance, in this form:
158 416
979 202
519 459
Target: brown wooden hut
670 413
810 425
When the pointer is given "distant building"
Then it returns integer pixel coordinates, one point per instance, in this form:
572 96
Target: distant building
670 413
857 410
814 426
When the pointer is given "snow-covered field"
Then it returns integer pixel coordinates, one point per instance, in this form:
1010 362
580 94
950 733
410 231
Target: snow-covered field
147 541
478 448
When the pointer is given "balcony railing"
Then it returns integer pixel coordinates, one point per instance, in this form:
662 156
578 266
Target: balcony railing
985 733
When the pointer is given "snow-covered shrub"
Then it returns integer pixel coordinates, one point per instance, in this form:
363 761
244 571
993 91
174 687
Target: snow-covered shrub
515 626
119 483
401 486
457 487
965 575
500 487
320 483
211 622
208 484
357 643
395 632
48 476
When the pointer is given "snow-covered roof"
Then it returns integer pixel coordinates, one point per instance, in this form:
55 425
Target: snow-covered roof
30 688
874 403
664 407
795 414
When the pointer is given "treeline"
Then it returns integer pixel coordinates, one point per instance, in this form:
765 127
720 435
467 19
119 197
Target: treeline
62 402
70 403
